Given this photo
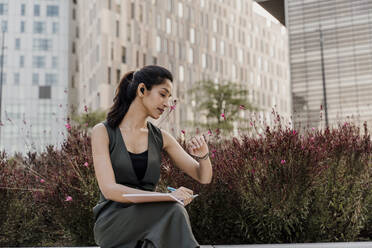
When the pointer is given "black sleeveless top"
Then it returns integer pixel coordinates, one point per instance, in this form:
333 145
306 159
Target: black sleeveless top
139 162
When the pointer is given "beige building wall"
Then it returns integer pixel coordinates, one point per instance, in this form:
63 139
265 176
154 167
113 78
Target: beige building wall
195 39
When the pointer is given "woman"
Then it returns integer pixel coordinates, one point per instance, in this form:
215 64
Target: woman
126 152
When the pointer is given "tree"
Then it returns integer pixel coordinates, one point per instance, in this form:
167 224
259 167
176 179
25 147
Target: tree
89 119
220 103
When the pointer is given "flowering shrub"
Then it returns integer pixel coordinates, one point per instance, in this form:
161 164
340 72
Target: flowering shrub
271 187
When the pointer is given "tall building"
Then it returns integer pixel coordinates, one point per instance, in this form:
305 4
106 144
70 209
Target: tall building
341 30
221 40
35 73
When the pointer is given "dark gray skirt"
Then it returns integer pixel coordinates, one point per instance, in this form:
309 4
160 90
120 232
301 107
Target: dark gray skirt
157 224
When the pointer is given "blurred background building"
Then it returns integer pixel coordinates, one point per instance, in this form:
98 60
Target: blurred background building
221 40
35 73
341 31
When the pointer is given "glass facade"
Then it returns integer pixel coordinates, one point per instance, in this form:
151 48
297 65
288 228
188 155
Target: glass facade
35 74
346 30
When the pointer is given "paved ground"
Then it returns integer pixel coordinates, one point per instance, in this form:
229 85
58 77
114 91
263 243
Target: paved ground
308 245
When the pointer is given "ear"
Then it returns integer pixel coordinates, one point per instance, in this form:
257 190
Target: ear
141 89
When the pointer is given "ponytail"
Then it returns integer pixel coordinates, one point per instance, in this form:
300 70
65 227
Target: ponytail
124 95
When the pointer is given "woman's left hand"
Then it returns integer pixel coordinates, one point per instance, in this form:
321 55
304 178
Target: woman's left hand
197 146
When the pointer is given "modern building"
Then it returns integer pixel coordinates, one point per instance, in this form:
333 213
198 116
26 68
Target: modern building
221 40
331 60
35 73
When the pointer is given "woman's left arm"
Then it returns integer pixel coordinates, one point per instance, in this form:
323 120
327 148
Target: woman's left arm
200 171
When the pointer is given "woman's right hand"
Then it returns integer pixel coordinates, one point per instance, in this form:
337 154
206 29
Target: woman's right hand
183 194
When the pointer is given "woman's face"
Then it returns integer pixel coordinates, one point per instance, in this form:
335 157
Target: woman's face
158 99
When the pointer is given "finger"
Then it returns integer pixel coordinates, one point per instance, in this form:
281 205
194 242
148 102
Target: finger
189 191
194 144
200 142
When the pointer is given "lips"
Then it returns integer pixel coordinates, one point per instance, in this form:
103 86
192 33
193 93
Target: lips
161 110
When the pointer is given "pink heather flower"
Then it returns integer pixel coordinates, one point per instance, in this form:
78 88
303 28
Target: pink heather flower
253 171
254 158
173 107
85 108
42 180
251 123
313 129
294 131
86 164
283 161
183 131
68 126
209 132
68 198
212 155
223 115
86 124
241 107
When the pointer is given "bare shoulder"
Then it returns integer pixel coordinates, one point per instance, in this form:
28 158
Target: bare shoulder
167 138
99 133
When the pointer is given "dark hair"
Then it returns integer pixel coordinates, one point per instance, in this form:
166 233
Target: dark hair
126 91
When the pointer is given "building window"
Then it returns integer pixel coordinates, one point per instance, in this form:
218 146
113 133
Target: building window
140 13
109 4
3 59
72 82
39 27
117 29
73 14
117 75
38 62
42 44
154 60
22 61
4 78
169 26
158 44
16 78
3 8
23 9
144 59
129 32
191 55
55 27
180 10
45 92
4 26
52 10
22 27
192 35
109 75
73 48
36 10
17 45
54 62
204 61
50 78
132 10
123 54
181 74
35 79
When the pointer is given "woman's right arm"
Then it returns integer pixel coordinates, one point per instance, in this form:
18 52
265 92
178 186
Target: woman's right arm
103 168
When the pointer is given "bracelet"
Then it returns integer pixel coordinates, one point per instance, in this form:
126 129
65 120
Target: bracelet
202 157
